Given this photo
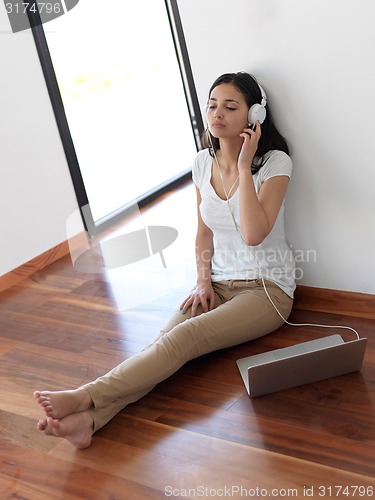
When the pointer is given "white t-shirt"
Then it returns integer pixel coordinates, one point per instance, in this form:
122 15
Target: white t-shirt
232 258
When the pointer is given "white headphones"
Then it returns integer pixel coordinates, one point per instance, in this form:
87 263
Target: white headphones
257 112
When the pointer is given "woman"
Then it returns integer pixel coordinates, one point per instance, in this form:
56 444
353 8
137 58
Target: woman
241 180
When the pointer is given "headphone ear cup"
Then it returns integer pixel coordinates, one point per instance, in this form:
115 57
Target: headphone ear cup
257 113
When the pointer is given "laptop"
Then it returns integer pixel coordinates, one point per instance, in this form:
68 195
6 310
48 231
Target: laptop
301 364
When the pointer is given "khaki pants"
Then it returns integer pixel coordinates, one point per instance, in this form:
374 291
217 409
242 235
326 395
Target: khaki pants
242 313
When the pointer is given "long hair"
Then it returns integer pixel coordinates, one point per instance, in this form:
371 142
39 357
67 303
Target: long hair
270 138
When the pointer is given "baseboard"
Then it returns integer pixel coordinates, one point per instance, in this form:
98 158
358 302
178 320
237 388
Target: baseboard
38 263
306 297
335 301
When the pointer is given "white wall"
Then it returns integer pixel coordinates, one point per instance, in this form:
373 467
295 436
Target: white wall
315 59
36 191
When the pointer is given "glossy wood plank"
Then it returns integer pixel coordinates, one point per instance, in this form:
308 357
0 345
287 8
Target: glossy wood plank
158 455
60 328
32 473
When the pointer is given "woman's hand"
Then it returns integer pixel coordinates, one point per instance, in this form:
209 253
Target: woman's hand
202 294
249 147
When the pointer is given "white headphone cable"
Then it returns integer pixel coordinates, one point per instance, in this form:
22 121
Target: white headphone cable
282 317
222 180
260 268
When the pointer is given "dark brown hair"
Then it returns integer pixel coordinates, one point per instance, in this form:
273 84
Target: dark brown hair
270 139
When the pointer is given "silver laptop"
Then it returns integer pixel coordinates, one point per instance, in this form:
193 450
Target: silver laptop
301 364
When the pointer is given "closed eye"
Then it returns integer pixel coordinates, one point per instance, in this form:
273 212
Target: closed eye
227 107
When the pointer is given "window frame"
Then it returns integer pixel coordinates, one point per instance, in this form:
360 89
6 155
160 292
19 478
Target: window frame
192 102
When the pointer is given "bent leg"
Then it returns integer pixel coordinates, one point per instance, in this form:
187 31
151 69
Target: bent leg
247 314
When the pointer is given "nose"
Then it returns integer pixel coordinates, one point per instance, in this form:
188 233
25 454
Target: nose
218 113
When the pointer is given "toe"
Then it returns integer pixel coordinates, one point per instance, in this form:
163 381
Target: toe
42 424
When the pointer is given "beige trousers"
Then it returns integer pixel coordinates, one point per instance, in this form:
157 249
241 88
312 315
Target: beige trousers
242 313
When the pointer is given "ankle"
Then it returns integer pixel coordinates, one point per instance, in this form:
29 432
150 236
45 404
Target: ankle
85 399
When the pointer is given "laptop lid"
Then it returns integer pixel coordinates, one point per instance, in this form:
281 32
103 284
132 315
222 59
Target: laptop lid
301 364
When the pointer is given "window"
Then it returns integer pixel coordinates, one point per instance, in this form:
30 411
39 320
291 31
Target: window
121 86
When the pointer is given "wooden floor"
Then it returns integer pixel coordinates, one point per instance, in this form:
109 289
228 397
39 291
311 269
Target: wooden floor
197 435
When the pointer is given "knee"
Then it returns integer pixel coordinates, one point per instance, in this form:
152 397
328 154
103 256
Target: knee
184 341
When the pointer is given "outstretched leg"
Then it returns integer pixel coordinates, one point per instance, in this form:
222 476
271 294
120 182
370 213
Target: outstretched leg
244 314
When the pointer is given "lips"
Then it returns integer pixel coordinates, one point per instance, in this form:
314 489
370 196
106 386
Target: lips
217 125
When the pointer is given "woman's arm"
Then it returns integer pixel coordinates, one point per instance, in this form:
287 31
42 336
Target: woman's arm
203 293
258 212
203 247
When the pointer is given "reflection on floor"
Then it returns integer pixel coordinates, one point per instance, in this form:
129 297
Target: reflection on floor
197 434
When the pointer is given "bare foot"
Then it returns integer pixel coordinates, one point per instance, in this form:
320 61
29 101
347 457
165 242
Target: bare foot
76 428
59 404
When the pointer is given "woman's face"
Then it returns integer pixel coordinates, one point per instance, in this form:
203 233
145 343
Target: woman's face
227 112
